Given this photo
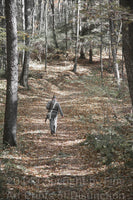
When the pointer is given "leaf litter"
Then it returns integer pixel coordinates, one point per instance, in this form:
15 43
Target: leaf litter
66 166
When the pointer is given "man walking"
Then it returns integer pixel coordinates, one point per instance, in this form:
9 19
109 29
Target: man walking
53 108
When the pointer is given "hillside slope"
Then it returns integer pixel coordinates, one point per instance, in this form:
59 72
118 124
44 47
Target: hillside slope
85 159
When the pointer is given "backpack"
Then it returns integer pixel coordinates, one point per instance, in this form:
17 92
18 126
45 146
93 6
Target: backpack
50 112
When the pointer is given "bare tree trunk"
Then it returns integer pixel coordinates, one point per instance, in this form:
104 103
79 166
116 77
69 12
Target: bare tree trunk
23 15
77 38
109 65
101 51
59 10
73 20
113 45
33 17
127 31
2 45
53 15
25 70
66 23
90 54
10 123
41 17
119 36
122 73
21 55
82 52
46 27
101 45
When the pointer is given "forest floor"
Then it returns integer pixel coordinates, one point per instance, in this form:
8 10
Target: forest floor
90 157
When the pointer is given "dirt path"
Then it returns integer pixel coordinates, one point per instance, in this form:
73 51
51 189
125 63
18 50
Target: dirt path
59 167
59 158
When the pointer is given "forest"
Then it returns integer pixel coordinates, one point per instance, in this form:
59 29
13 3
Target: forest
80 51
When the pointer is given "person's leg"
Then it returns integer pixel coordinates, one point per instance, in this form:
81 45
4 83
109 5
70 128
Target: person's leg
55 124
52 125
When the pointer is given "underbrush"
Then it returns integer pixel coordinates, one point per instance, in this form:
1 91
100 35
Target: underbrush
112 147
110 139
2 74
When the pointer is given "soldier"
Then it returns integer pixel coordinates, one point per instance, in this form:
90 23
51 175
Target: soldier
53 108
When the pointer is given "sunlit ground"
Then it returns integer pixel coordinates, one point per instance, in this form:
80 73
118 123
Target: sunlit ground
60 167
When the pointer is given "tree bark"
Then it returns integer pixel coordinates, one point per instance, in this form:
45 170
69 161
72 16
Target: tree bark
90 55
2 45
77 38
82 52
101 45
66 24
53 16
34 17
10 123
73 21
127 31
46 26
21 53
25 70
41 17
59 10
114 44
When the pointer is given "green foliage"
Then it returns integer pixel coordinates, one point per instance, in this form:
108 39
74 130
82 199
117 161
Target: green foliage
21 35
112 147
2 74
2 34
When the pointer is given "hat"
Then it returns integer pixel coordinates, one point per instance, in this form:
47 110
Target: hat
54 97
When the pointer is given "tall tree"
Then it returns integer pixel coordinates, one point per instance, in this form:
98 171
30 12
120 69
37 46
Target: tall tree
22 16
41 16
34 17
66 23
53 23
77 38
101 45
25 70
114 41
46 39
127 31
59 9
2 42
10 124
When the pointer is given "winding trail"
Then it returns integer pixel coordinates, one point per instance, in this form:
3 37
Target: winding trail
60 160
